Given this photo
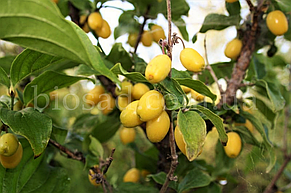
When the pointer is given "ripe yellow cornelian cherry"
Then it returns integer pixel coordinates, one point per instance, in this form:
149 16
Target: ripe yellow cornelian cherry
12 161
132 38
107 103
122 102
90 176
138 90
150 105
192 60
132 175
247 124
95 20
197 96
180 140
233 48
84 24
157 33
233 146
127 135
157 128
8 144
277 22
94 96
158 68
146 39
129 117
231 1
186 89
104 31
126 88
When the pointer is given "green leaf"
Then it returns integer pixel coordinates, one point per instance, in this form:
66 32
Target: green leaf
41 27
233 8
42 85
216 21
267 112
213 187
194 179
285 5
119 55
33 175
127 24
33 125
59 134
259 67
82 5
26 63
287 35
160 178
180 74
147 160
96 147
130 187
247 136
198 86
6 62
194 38
180 23
216 120
86 70
4 78
193 129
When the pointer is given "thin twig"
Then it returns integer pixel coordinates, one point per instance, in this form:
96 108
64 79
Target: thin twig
251 6
108 161
73 155
246 84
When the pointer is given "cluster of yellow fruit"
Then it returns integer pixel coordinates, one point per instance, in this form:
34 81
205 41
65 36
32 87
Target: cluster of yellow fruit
97 96
10 151
154 34
133 175
96 23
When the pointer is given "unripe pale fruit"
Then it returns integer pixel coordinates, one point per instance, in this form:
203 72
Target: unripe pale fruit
104 31
150 105
157 128
94 96
146 39
158 68
192 60
132 38
129 117
12 161
197 96
233 146
8 144
233 48
277 22
90 177
122 102
84 24
126 88
186 89
95 20
132 175
138 90
107 103
180 140
231 1
127 135
157 33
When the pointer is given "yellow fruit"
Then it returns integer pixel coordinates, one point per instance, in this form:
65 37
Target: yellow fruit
146 39
180 140
186 89
107 103
127 135
158 68
197 96
122 102
138 90
157 128
233 48
84 24
192 60
95 20
277 22
129 117
231 1
132 175
157 33
126 88
144 173
150 105
90 177
247 124
94 95
132 38
104 31
8 144
12 161
233 146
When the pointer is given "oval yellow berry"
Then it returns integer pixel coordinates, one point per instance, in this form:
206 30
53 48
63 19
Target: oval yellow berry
84 24
150 105
186 89
146 39
192 60
104 31
107 103
197 96
132 39
138 90
180 140
8 144
158 68
95 20
157 33
126 88
277 22
233 146
233 48
127 135
94 96
12 161
157 128
132 175
122 102
129 117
